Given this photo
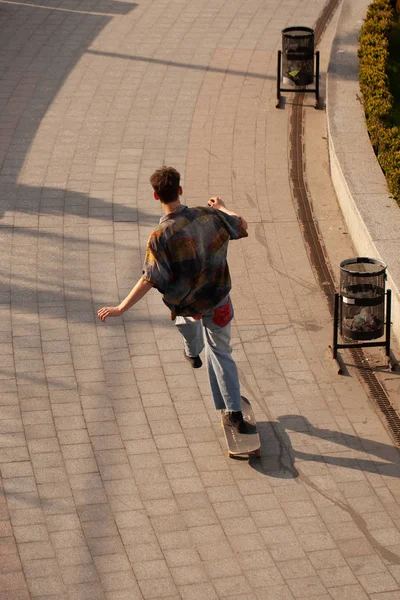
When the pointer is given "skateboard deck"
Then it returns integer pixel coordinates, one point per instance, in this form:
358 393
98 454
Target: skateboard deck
239 443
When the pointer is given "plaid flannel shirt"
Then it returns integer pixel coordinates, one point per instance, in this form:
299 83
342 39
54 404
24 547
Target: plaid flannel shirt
186 258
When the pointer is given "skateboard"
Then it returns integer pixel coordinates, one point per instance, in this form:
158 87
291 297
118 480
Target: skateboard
243 443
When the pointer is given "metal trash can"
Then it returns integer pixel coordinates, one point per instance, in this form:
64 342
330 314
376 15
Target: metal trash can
362 289
298 56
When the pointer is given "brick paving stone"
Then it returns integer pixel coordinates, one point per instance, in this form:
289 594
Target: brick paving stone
326 558
354 592
85 591
270 517
246 542
223 568
79 574
93 529
363 565
44 586
70 437
197 591
63 522
378 582
30 533
21 469
59 507
75 466
159 588
12 581
7 546
297 569
105 442
117 581
181 557
10 564
356 547
17 595
264 578
394 570
344 530
123 471
384 596
337 576
5 529
127 594
35 550
112 563
15 454
143 551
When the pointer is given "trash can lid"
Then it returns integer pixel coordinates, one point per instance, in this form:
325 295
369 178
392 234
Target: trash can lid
298 32
362 265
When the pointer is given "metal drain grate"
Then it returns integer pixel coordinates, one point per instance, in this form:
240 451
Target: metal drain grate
324 18
377 392
315 244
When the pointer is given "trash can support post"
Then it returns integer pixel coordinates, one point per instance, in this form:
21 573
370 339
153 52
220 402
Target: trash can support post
317 79
335 345
392 362
335 326
278 79
388 319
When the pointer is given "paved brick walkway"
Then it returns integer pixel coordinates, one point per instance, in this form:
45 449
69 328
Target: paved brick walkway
115 479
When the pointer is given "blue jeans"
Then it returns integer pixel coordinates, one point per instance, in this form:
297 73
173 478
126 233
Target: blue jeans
222 370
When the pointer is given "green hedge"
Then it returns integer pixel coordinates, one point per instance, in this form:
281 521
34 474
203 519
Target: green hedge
374 83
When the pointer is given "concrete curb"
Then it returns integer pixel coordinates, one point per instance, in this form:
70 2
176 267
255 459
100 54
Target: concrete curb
372 217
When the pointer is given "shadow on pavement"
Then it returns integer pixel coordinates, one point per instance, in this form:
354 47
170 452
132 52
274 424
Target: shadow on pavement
280 456
29 200
37 57
101 7
180 65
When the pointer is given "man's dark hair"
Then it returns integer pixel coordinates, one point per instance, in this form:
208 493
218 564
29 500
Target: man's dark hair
165 182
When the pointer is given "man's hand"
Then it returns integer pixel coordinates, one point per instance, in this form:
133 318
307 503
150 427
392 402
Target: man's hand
136 294
109 311
216 202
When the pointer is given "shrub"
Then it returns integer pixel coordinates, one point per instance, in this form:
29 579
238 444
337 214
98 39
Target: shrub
374 84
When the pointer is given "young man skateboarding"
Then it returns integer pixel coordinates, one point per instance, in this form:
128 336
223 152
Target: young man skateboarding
186 261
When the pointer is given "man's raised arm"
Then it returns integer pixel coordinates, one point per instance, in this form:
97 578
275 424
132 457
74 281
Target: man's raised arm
217 203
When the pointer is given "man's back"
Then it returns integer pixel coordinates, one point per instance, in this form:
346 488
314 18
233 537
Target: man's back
186 258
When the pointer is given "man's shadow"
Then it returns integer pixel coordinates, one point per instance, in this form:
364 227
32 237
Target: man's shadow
280 455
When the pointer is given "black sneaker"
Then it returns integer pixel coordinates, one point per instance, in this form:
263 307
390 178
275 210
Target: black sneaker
235 420
195 361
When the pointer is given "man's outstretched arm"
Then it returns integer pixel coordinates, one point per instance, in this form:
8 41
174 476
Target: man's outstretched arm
136 294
